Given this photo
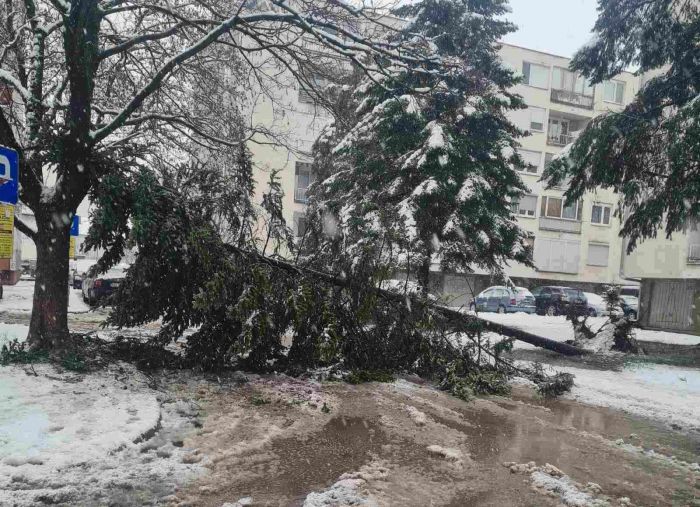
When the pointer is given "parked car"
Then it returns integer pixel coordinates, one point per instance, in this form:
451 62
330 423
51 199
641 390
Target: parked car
629 290
100 288
504 299
598 306
77 280
554 300
630 306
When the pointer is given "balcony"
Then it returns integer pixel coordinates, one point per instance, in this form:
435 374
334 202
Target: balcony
554 139
571 98
560 225
694 253
300 195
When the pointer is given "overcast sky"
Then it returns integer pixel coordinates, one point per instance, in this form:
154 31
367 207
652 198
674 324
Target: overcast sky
554 26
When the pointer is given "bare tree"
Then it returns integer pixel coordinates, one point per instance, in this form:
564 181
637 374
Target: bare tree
100 84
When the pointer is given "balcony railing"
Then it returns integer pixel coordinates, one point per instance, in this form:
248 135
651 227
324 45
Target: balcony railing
694 253
572 98
559 139
560 225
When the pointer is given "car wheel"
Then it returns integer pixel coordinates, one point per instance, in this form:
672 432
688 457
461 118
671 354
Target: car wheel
592 312
551 311
501 309
472 307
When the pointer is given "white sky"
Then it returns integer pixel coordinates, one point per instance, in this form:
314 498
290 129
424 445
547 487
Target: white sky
553 26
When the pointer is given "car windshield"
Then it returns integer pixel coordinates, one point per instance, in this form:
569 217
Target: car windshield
630 300
572 293
522 293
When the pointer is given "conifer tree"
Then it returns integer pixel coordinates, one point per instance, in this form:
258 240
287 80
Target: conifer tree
423 165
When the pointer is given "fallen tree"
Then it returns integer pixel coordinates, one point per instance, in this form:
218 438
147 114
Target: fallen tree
458 318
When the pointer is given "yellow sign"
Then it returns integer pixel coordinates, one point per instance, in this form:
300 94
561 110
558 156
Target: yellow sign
7 217
71 248
5 245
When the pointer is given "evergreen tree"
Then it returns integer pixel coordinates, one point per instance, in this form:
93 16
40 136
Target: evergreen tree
422 166
650 152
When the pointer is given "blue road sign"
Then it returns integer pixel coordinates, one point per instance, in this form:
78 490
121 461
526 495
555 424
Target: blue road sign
9 175
75 226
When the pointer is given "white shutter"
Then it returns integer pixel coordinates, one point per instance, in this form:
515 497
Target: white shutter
556 255
598 254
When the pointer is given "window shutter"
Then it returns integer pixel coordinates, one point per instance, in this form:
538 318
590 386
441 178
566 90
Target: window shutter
598 254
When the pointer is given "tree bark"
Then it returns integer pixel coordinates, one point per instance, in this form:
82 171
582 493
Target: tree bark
48 328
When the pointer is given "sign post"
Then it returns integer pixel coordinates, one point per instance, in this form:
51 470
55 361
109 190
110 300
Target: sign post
74 233
9 184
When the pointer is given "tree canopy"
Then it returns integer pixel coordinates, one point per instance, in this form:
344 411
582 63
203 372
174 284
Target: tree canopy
649 152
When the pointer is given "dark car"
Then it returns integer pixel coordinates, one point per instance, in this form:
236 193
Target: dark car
503 299
99 288
554 300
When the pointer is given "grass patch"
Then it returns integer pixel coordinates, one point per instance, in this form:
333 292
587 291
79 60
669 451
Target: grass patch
15 352
259 400
73 362
362 376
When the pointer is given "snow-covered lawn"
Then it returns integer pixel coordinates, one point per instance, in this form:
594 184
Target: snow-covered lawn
73 439
669 394
18 298
559 329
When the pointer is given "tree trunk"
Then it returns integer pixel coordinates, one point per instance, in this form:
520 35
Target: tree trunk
48 328
423 276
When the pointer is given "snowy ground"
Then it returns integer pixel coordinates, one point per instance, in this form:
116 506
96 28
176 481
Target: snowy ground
74 439
559 329
18 298
667 394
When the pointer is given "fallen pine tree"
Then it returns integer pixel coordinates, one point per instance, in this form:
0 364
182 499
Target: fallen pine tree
455 315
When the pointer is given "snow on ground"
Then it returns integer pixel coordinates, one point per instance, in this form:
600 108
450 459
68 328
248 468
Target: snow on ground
559 329
18 298
72 439
669 394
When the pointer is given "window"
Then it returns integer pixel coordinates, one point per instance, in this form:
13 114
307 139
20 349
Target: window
598 254
532 158
600 214
535 75
563 79
526 207
554 207
300 223
556 255
303 177
317 82
613 91
537 115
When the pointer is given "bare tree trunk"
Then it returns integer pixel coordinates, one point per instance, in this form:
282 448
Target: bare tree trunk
48 328
423 276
